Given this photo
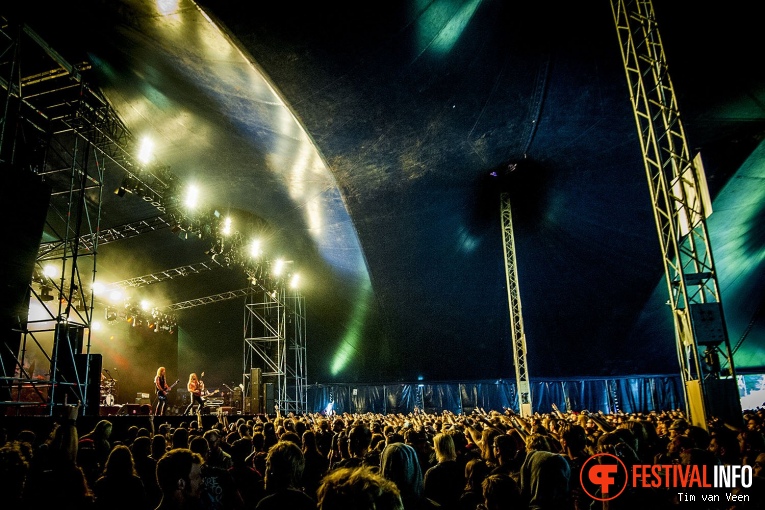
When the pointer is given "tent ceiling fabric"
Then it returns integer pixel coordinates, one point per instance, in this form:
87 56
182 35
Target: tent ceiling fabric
365 143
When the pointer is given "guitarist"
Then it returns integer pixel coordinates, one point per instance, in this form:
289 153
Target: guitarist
195 387
161 389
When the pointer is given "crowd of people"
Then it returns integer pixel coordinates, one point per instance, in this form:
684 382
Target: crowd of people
479 461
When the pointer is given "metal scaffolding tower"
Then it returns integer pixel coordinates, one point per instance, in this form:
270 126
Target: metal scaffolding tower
61 135
681 206
57 129
275 348
516 317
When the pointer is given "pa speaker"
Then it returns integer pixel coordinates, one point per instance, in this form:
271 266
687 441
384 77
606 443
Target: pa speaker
256 383
268 398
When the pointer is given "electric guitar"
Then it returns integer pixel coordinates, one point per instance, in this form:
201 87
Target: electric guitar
163 393
206 394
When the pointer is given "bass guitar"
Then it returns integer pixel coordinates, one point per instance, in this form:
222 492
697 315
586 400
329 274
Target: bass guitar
163 393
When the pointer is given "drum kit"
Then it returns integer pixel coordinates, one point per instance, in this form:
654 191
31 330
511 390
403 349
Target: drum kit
108 392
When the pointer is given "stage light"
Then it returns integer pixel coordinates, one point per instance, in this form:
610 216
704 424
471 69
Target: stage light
51 271
255 248
45 293
295 281
192 197
278 267
144 154
226 228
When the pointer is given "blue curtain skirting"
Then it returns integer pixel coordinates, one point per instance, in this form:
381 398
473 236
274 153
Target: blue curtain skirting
610 395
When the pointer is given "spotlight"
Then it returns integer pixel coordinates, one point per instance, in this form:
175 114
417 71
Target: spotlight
45 293
120 192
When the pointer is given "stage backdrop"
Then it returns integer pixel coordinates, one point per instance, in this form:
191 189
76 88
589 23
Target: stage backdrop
628 394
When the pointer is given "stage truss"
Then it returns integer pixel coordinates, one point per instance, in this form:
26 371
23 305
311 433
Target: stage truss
275 344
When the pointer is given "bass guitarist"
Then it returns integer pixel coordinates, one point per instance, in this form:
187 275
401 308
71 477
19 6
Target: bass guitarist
161 389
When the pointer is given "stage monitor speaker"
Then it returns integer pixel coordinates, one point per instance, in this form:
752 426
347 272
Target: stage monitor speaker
256 383
236 398
268 398
134 410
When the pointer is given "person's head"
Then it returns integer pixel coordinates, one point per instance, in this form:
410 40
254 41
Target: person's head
476 470
240 450
500 491
399 464
292 437
359 489
120 462
102 430
309 441
359 439
759 465
284 466
192 377
679 443
179 475
538 442
459 439
505 448
180 438
213 438
200 445
725 447
699 436
158 446
160 371
678 427
141 447
751 441
574 438
443 444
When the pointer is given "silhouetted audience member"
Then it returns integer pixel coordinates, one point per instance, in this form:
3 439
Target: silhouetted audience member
399 464
444 481
93 450
544 478
358 489
179 475
54 476
219 491
500 492
476 471
247 480
120 487
316 464
284 470
14 466
146 467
